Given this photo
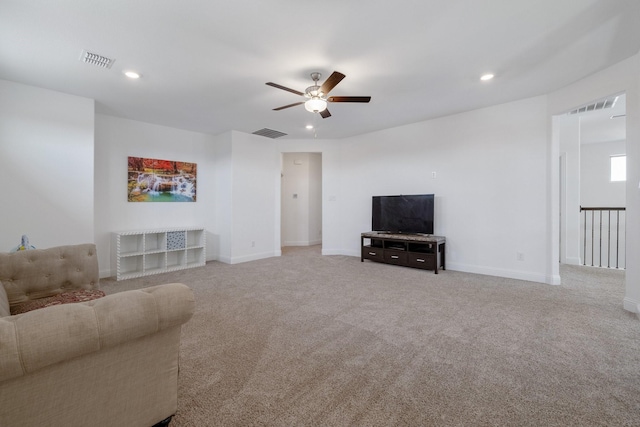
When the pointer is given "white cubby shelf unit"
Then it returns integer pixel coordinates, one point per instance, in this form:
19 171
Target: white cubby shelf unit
143 252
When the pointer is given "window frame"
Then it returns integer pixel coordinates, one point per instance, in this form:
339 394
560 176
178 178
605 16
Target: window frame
615 172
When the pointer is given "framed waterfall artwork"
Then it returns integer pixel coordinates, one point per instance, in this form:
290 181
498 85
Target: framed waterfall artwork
153 180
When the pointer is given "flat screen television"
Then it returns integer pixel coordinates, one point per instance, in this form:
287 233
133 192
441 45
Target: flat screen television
403 214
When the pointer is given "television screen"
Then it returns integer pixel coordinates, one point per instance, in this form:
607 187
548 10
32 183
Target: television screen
403 214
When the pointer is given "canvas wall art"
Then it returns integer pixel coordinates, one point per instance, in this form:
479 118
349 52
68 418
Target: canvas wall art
153 180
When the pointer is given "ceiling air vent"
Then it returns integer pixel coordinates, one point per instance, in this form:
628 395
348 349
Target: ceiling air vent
598 105
95 59
269 133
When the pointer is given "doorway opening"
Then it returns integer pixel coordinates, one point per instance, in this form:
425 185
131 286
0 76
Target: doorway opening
592 207
301 201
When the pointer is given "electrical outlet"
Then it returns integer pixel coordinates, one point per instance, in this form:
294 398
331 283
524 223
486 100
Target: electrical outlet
253 244
433 175
519 256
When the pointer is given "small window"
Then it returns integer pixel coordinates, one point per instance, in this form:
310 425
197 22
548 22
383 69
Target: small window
618 168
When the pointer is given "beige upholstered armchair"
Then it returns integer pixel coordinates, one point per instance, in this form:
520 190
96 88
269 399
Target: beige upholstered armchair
102 362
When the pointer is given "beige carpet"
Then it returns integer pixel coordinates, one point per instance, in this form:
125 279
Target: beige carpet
312 340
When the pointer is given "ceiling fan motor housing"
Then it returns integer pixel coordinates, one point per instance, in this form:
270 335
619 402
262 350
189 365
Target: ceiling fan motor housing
313 92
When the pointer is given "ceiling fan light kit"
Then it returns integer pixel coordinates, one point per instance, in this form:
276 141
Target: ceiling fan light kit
315 105
317 102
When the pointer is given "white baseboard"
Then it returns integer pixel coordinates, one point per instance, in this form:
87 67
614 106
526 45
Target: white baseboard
302 243
572 261
326 251
510 274
631 305
224 259
252 257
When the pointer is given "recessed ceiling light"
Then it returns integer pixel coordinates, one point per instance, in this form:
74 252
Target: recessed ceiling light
486 77
309 126
132 74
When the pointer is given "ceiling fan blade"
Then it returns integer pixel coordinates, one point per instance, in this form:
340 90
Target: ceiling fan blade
331 82
288 106
284 88
349 99
325 113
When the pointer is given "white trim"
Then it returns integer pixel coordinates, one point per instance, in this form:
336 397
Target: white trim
252 257
303 243
573 261
326 251
224 259
499 272
631 305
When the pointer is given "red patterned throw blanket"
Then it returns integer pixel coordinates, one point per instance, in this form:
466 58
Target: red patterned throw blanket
63 298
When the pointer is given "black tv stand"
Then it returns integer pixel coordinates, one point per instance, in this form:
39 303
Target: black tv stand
409 250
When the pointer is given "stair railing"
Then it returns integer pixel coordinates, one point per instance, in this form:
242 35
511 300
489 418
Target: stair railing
603 236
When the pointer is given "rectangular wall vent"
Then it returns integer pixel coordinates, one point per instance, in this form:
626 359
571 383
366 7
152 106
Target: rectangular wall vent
269 133
598 105
95 59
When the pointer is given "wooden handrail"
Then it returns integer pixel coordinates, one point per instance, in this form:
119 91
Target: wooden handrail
582 208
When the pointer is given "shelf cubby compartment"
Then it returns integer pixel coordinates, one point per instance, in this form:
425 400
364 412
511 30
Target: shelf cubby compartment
131 244
176 240
195 257
155 262
427 248
176 259
130 264
154 242
195 238
376 243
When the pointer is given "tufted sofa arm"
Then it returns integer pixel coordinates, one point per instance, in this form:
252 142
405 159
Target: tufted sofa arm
40 273
4 302
40 338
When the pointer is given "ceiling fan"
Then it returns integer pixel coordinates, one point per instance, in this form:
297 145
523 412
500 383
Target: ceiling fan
317 95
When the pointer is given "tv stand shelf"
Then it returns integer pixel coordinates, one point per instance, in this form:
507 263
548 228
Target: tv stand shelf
409 250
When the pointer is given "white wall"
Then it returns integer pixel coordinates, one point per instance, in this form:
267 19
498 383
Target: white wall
490 185
255 204
596 187
46 167
220 238
115 140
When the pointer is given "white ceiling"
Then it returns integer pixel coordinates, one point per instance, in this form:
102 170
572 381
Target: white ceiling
205 63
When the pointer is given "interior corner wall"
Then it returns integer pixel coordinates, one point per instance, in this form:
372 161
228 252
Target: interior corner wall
46 167
115 140
221 238
255 177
